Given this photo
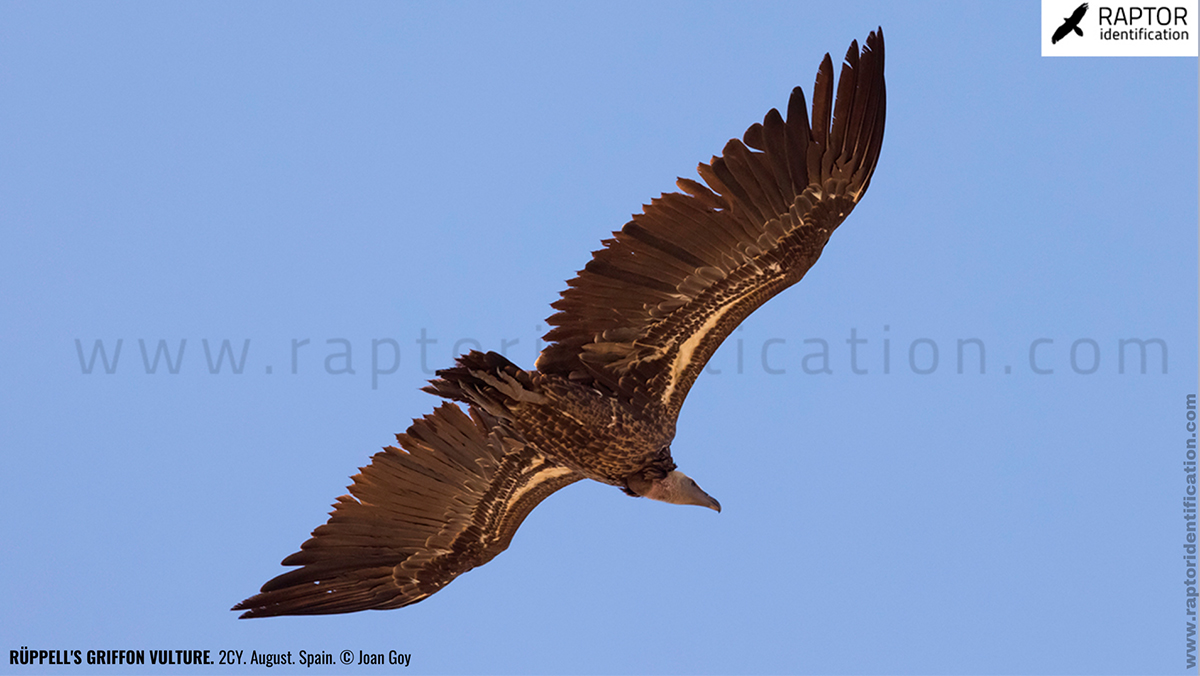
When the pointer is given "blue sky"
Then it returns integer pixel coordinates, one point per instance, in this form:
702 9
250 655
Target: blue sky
348 174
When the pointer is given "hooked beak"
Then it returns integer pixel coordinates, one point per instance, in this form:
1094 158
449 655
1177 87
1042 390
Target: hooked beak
678 488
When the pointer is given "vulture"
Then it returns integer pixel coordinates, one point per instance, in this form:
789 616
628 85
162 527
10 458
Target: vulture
631 333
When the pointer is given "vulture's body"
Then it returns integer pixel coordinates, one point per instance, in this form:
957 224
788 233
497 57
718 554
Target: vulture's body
633 331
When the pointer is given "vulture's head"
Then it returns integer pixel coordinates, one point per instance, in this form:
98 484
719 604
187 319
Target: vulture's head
676 488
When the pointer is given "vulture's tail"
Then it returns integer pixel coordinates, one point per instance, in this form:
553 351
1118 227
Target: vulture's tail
488 381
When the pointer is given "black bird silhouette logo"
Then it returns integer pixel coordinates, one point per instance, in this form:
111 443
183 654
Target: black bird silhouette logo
1070 23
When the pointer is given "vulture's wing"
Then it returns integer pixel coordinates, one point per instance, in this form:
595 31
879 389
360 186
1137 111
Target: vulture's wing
450 499
652 306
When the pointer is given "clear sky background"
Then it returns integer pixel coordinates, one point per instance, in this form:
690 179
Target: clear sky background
348 173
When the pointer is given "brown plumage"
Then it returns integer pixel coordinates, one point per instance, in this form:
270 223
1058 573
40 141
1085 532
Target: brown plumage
632 332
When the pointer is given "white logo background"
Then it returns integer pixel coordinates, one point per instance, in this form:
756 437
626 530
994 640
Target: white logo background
1122 28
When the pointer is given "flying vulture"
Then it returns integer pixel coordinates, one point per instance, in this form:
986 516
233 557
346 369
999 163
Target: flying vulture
633 330
1070 23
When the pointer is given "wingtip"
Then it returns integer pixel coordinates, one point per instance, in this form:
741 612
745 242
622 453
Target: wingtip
247 611
874 42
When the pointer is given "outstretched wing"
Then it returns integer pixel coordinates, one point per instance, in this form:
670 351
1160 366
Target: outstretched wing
448 500
652 306
1077 15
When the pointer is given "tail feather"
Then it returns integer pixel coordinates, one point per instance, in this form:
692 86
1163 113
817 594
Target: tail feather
486 380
